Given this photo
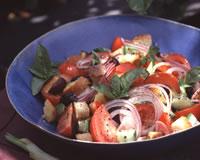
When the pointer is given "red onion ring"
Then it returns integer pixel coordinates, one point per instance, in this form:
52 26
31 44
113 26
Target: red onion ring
127 109
87 95
181 72
174 63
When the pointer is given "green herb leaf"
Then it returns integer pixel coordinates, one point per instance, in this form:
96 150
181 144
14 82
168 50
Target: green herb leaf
139 6
36 85
105 90
193 75
42 69
101 50
42 66
95 58
119 86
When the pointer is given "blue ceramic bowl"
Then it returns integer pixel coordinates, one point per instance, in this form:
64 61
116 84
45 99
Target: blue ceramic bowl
92 33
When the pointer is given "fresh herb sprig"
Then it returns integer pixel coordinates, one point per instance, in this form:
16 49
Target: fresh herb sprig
120 86
42 69
191 78
153 50
95 56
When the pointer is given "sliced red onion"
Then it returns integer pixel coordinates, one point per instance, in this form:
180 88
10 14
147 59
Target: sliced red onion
168 98
142 94
138 46
87 95
128 110
174 63
181 72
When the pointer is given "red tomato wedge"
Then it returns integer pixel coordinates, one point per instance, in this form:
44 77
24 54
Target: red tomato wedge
194 109
163 78
147 114
162 127
69 67
117 43
124 67
177 58
102 127
66 122
166 119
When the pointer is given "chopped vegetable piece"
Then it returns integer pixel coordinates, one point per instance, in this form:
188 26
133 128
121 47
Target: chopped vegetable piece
192 119
60 108
49 111
81 110
77 86
181 102
84 136
117 43
102 127
154 134
194 109
126 135
163 78
83 126
67 122
180 124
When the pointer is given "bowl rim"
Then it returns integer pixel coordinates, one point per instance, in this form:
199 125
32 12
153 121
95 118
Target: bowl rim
66 139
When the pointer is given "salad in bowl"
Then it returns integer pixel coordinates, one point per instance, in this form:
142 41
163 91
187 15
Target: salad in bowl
129 92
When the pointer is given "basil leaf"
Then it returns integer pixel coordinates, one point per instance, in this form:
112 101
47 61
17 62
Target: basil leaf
119 86
36 85
193 75
140 6
115 84
105 90
42 67
152 52
95 58
101 50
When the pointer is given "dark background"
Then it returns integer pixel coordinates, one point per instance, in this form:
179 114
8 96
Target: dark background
21 21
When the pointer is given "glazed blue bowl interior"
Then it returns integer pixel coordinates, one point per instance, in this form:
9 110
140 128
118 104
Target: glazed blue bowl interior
85 35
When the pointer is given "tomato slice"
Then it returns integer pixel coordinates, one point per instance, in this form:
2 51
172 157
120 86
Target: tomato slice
162 127
66 122
124 67
147 114
117 43
166 119
69 67
194 109
164 78
102 127
178 58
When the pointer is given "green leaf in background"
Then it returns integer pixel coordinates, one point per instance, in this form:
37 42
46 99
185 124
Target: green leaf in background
36 85
139 6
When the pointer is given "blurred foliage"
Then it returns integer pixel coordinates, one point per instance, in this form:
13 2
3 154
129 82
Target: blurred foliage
172 9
